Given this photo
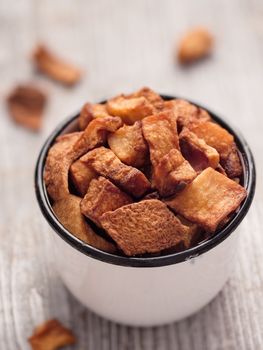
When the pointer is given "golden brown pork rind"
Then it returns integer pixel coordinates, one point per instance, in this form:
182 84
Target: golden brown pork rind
26 105
102 196
96 133
105 163
91 111
232 164
59 159
209 199
172 173
68 213
214 135
186 112
51 335
151 96
144 227
81 176
48 63
129 145
195 45
130 109
197 152
160 132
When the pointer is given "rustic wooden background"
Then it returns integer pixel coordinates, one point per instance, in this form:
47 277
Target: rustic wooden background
123 45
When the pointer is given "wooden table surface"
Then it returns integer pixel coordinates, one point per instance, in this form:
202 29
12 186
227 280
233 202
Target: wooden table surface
123 45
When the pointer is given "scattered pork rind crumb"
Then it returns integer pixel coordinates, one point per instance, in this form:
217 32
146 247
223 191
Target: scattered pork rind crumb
54 67
195 44
51 335
26 105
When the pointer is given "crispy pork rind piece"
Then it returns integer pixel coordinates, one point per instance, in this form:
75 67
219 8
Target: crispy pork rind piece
144 227
160 132
26 105
102 196
214 135
129 179
51 335
195 45
232 164
81 176
91 111
96 134
209 199
197 152
129 145
49 64
130 109
68 213
151 96
172 173
59 159
186 112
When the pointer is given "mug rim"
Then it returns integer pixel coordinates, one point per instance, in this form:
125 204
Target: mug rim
249 175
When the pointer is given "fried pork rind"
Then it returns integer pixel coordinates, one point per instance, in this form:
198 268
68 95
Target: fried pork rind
144 227
151 96
96 134
214 135
129 179
102 196
129 145
160 132
195 45
208 200
232 164
54 67
26 105
197 152
68 213
186 112
130 109
59 159
51 335
81 176
172 173
91 111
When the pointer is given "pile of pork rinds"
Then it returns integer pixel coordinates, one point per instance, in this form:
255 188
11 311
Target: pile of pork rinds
143 175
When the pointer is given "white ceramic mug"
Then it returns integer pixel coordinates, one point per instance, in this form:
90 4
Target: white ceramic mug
145 291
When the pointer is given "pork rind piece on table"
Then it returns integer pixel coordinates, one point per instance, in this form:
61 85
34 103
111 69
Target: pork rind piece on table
129 179
130 109
129 145
209 199
26 105
59 159
68 213
81 176
91 111
144 227
51 335
172 173
102 196
214 135
186 112
197 152
96 133
195 45
160 132
48 63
